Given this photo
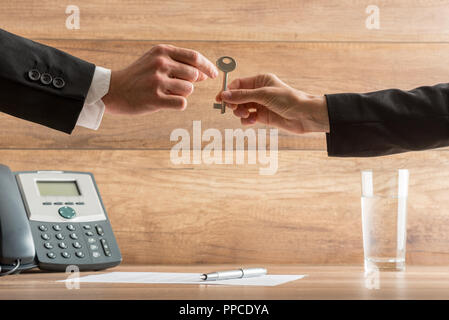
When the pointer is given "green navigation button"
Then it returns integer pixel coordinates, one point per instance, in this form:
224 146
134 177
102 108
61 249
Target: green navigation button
66 212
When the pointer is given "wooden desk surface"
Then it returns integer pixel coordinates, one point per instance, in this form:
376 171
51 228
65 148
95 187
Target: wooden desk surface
322 282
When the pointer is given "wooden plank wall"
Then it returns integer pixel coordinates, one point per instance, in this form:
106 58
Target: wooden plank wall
309 212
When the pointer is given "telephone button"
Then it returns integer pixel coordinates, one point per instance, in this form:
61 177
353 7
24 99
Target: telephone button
43 228
59 236
68 203
86 227
62 245
66 212
45 236
73 236
76 245
65 254
57 227
91 240
99 230
80 203
48 245
105 245
46 203
71 227
93 247
89 233
95 254
57 203
80 254
51 255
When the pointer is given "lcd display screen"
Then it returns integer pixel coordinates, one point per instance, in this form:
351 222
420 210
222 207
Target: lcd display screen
58 188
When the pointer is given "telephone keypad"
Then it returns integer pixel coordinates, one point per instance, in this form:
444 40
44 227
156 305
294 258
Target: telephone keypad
74 243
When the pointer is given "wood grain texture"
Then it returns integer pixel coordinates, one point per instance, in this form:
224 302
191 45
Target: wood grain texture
309 212
322 282
249 20
317 68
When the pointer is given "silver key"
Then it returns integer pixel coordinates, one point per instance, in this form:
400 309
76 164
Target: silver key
225 64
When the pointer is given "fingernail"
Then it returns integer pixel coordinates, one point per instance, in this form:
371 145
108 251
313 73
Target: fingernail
215 73
226 95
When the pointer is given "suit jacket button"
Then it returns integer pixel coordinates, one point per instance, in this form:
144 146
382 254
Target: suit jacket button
46 78
34 74
58 83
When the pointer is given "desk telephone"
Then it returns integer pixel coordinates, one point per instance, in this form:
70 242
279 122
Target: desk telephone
53 219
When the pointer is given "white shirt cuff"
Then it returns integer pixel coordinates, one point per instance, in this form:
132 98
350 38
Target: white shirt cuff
93 109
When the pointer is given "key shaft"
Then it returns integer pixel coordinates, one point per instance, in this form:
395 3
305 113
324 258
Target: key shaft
225 87
226 65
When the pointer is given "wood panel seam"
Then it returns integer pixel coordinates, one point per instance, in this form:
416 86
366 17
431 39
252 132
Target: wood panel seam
247 41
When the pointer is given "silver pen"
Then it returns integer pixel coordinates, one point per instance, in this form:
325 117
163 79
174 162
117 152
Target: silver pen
234 274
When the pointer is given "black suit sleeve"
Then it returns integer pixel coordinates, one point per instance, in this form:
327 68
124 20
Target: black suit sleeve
389 121
42 84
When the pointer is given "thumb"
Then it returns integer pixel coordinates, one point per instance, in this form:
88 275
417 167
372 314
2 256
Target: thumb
258 95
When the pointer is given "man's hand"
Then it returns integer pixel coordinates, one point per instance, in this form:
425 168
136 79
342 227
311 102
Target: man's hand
268 100
161 79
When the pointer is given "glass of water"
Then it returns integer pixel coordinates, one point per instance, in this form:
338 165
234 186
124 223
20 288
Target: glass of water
384 219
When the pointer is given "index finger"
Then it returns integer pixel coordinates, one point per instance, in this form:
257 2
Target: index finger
194 59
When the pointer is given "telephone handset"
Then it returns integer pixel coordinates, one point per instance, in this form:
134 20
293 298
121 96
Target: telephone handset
51 220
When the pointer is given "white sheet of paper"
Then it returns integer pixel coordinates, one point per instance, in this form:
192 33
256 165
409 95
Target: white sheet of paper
184 278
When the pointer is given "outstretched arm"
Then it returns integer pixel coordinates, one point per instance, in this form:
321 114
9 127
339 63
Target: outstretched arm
356 125
42 84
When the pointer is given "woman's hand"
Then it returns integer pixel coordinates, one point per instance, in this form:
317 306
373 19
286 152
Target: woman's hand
268 100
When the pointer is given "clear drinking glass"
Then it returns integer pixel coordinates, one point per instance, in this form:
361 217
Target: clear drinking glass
384 219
